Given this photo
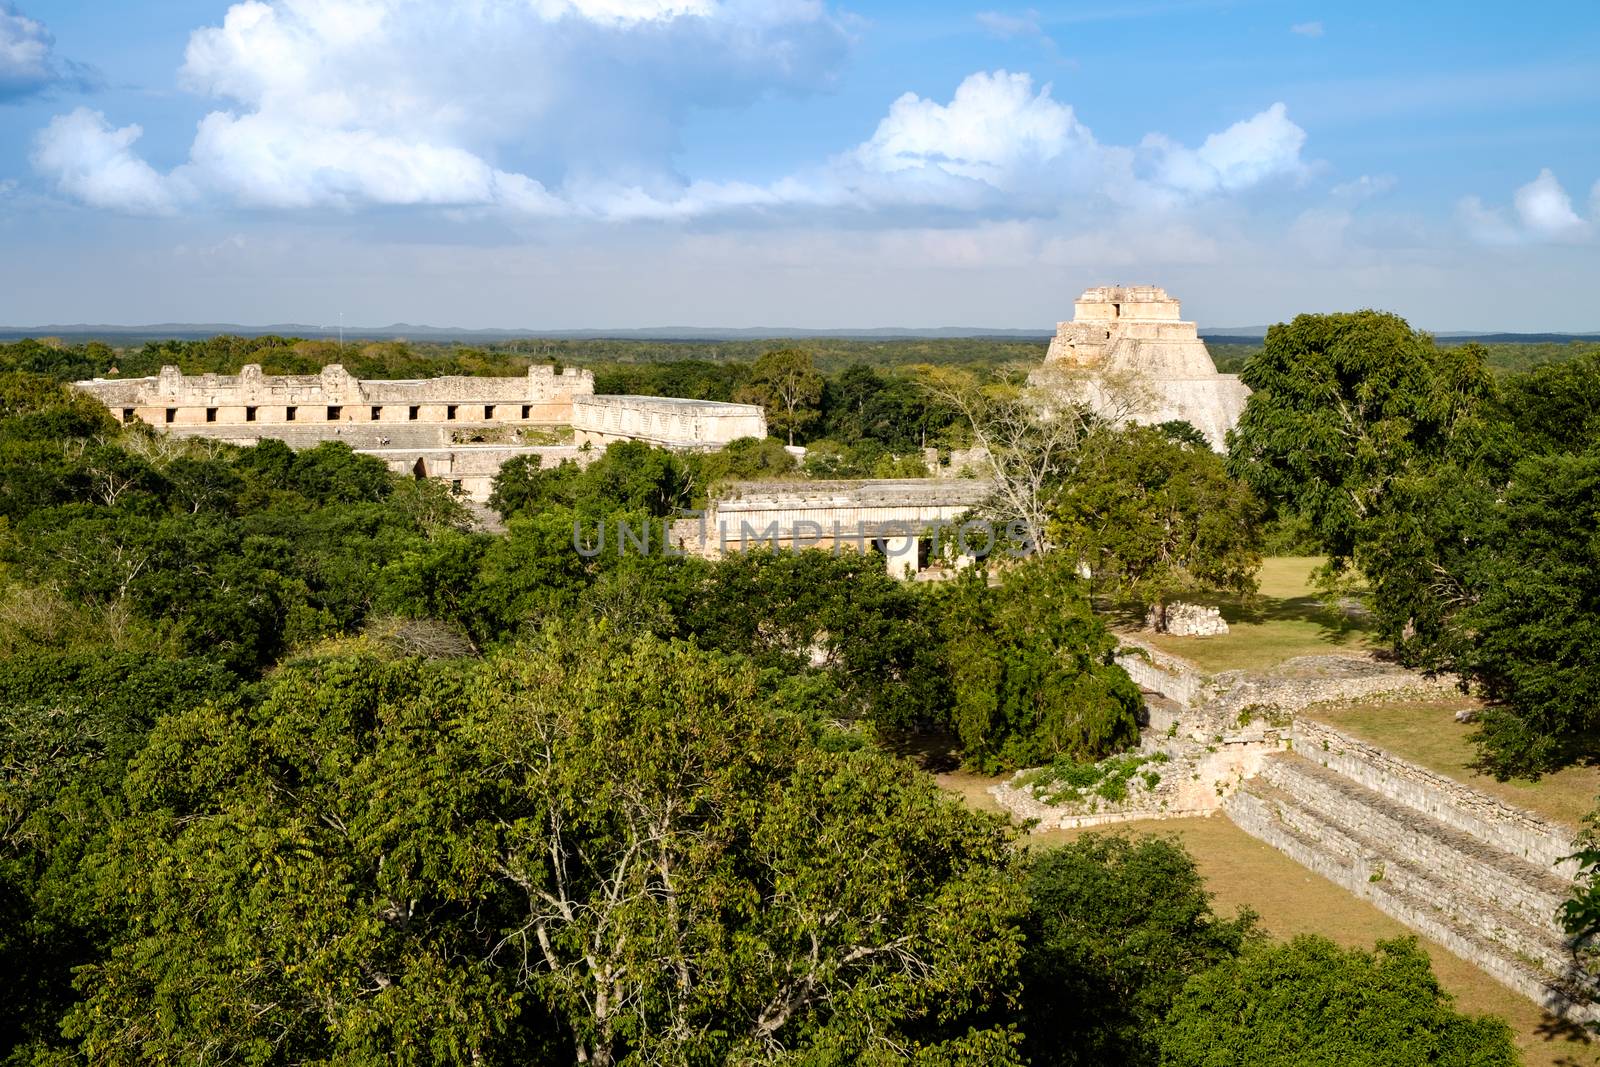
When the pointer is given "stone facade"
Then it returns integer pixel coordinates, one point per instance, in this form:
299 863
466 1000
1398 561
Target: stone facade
253 403
1132 354
457 428
1458 866
900 517
665 421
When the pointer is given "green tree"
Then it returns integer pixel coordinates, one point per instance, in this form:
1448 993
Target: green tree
1030 669
1156 519
1310 1003
787 384
1115 927
1363 428
579 849
1530 630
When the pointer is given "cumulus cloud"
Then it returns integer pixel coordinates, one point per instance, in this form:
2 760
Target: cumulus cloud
95 163
340 103
1264 146
1544 207
28 64
993 127
1541 212
1307 29
573 107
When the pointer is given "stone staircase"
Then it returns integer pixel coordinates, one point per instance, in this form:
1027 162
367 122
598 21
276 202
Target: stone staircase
1453 864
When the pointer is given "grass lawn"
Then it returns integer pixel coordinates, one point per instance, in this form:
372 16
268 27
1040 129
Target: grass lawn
1243 872
1284 619
1425 731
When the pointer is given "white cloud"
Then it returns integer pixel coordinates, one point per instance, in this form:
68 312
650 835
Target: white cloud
341 103
94 163
540 108
1541 212
1265 146
1365 187
1307 29
1544 207
28 64
994 127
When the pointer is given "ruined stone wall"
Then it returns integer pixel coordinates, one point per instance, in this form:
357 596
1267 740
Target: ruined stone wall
666 421
1510 829
1156 671
333 398
471 470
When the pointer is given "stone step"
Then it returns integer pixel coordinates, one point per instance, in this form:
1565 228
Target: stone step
1277 818
1491 821
1473 867
1368 858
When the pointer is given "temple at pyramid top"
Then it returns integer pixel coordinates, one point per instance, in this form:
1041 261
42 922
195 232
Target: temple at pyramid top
1136 334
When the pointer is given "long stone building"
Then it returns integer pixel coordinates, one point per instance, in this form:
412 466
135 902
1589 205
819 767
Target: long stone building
456 428
1130 350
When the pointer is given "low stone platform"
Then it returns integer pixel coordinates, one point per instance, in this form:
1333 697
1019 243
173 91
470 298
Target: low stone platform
1451 863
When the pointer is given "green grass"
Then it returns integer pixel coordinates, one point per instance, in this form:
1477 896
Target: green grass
1425 731
1284 619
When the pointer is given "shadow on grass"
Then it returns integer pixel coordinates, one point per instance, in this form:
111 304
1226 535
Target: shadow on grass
1335 625
935 751
1553 1028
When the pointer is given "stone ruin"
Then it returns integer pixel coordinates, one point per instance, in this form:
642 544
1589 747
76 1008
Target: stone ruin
1188 620
1137 360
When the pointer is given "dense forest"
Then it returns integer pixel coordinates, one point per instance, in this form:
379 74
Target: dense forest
296 765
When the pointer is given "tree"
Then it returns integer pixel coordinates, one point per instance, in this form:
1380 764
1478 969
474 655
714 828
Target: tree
1032 432
1580 914
627 476
579 849
787 384
1115 926
1156 519
1309 1003
1030 669
1530 626
1356 424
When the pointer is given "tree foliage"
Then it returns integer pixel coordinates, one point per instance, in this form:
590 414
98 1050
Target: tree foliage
1310 1003
580 848
788 385
1156 519
1030 669
1116 926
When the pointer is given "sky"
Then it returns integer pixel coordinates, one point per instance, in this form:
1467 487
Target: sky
562 164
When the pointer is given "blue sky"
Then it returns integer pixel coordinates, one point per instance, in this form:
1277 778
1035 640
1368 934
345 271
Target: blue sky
617 163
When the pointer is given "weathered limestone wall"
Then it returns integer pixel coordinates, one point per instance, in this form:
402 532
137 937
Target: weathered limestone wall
332 398
1486 818
1491 907
1477 875
1158 672
1193 783
471 470
899 517
665 421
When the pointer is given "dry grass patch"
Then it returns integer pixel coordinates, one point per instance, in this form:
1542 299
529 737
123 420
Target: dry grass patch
1425 731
